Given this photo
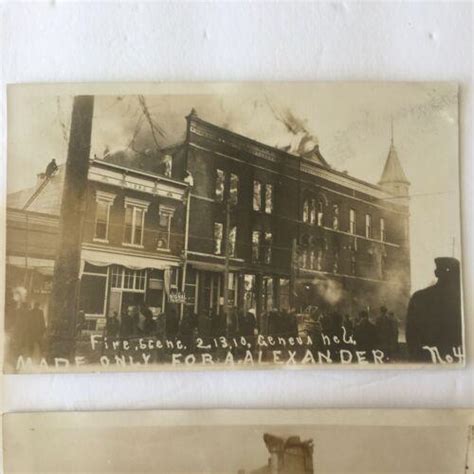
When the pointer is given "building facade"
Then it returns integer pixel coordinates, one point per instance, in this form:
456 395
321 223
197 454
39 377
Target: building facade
299 233
217 213
132 243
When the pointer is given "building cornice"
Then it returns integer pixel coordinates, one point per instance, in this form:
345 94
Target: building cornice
126 178
220 135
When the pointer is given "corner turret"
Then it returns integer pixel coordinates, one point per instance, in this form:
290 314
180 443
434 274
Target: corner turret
393 179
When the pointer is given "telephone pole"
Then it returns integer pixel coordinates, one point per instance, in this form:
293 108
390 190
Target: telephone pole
226 269
63 302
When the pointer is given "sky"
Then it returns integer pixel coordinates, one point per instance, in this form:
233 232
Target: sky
351 122
65 445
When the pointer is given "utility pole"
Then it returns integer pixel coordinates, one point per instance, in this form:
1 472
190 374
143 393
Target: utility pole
293 268
226 269
63 302
185 251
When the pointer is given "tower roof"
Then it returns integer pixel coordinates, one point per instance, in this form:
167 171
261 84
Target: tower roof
393 171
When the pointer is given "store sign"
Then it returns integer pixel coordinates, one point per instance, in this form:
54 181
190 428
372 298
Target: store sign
177 297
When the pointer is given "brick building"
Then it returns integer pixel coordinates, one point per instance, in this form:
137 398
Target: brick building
132 240
287 229
300 232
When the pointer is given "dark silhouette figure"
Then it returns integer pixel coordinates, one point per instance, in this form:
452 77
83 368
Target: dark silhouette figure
37 328
172 323
365 334
247 324
126 324
434 313
112 326
51 168
387 333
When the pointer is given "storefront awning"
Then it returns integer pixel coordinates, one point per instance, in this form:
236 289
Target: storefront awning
134 262
45 266
212 267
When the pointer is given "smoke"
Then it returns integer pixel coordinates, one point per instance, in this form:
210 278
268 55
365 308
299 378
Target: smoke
329 290
302 141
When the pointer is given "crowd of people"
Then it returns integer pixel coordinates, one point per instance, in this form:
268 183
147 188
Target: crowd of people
25 325
368 333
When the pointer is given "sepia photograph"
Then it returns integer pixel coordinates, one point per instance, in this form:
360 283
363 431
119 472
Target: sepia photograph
241 442
233 225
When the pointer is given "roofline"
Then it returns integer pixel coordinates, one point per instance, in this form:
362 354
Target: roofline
286 154
137 171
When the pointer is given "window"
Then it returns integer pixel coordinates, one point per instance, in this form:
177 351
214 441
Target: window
268 247
312 212
220 185
232 240
352 221
312 260
304 258
218 231
353 263
167 165
257 195
190 286
134 221
255 246
306 210
234 189
368 226
335 263
268 198
93 289
127 279
155 294
103 203
382 229
319 259
164 227
320 213
335 217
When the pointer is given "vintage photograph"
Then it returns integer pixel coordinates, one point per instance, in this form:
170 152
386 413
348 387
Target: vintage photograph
241 442
232 225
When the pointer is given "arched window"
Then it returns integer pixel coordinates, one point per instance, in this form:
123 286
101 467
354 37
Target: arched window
320 212
312 215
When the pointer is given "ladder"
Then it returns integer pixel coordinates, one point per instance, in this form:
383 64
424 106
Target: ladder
37 192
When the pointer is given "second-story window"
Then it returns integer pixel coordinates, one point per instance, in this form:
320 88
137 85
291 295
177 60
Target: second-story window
232 241
218 233
257 195
268 247
269 198
335 217
352 221
368 226
164 224
382 229
134 221
220 185
234 189
102 215
255 246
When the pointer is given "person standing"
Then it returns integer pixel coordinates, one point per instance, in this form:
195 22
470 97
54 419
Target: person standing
37 328
434 318
112 326
384 328
365 334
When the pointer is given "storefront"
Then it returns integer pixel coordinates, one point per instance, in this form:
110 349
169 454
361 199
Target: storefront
107 288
